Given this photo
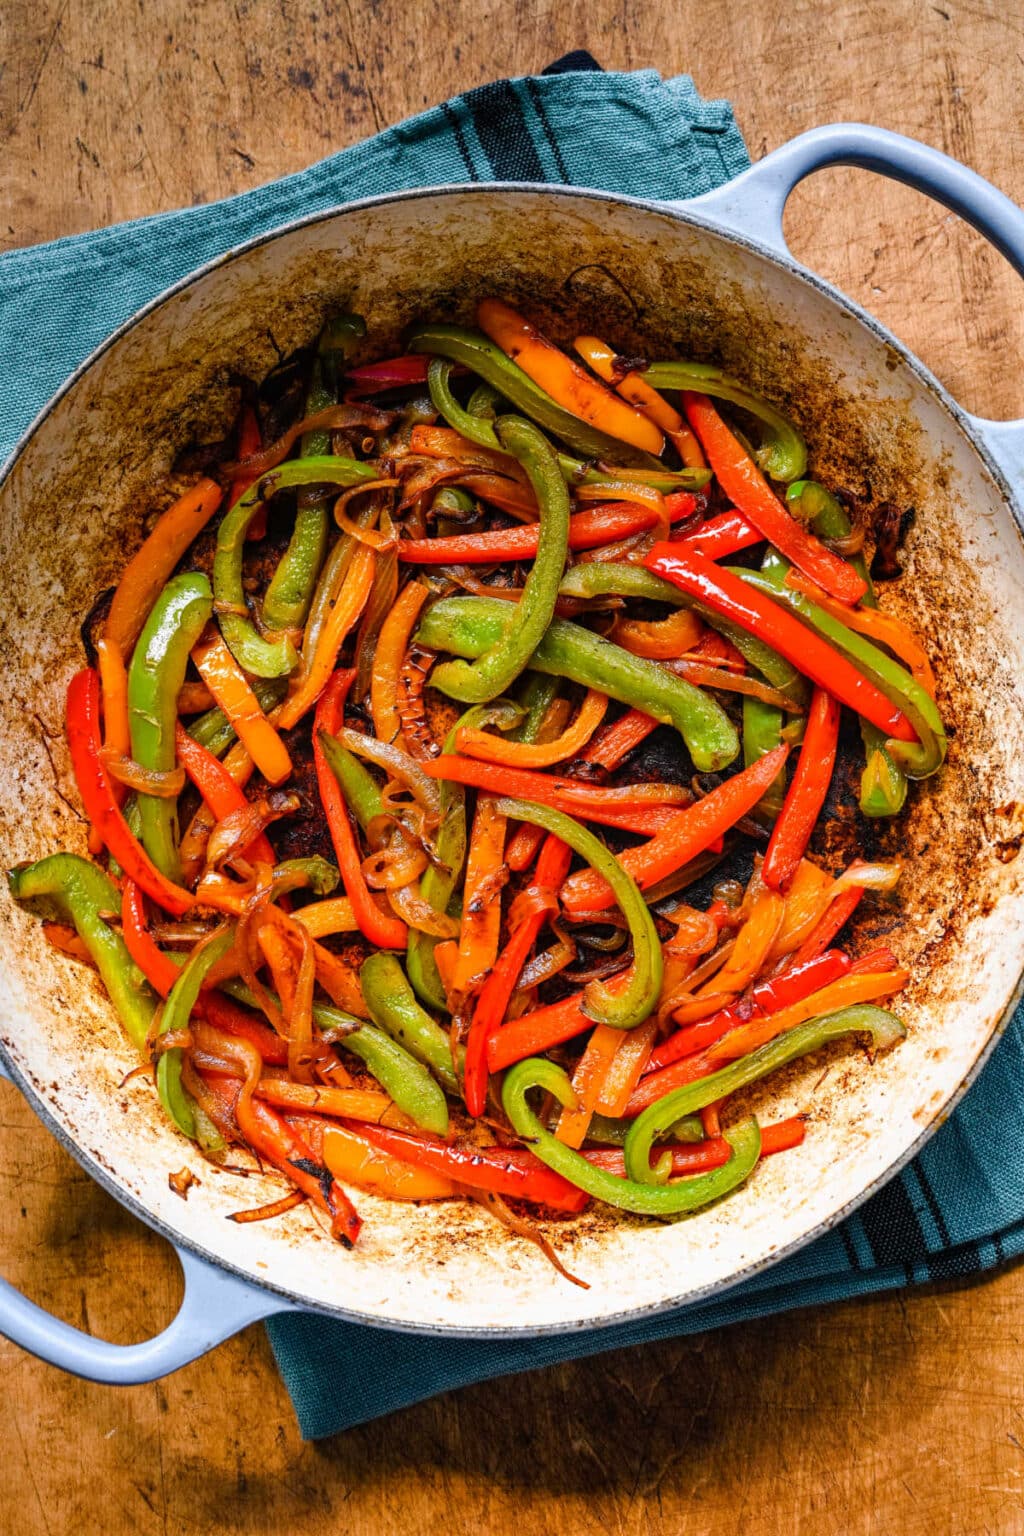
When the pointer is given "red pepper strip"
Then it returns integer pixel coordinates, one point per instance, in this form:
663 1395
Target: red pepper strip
217 788
880 959
522 846
576 798
750 493
767 997
250 441
587 530
390 374
493 1001
723 535
505 1170
614 742
691 1158
689 833
272 1138
734 599
537 1032
383 930
806 793
85 744
161 972
836 915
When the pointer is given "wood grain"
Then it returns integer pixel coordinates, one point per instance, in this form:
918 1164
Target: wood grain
900 1414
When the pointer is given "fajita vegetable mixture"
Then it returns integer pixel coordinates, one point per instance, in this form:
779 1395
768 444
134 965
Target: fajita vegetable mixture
452 748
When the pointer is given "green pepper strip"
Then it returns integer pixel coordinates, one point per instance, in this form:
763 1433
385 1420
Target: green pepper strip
214 730
884 1028
536 695
358 785
482 357
918 759
155 676
883 783
629 1007
613 1133
782 454
470 625
394 1008
502 662
675 1199
83 894
287 599
479 429
601 578
403 1079
254 653
175 1016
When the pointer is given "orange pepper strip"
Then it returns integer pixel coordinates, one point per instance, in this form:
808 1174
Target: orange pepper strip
446 443
749 491
588 1083
148 570
521 754
564 380
348 606
661 639
752 945
354 1161
230 687
644 396
392 643
879 626
627 1068
688 834
116 731
334 915
614 742
808 897
481 896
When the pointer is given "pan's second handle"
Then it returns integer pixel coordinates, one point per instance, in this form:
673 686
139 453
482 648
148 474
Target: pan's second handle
753 204
215 1306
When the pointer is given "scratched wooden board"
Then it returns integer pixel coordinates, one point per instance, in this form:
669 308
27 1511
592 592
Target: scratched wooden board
900 1414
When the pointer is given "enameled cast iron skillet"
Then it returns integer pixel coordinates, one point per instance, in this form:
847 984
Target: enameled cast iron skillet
710 278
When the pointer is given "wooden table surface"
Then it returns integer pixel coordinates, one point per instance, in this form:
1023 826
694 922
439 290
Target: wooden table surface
903 1414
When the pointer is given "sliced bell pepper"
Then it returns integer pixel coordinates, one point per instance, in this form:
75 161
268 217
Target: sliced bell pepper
381 928
349 604
351 1159
783 453
85 748
469 625
749 607
747 489
489 748
885 1029
510 1171
232 691
392 644
393 1008
806 793
632 387
627 1194
152 565
501 663
690 832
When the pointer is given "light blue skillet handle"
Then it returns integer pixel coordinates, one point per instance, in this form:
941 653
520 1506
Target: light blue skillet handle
754 202
215 1306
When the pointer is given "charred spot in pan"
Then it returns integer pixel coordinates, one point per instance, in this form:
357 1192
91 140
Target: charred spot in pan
92 625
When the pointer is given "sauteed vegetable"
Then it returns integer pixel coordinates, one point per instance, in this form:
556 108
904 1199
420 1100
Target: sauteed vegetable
463 752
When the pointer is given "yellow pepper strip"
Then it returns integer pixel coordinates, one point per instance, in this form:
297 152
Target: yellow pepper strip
392 644
809 894
481 897
878 626
230 687
521 754
353 1161
626 1069
660 639
147 572
843 993
753 945
348 605
116 731
638 392
334 915
588 1083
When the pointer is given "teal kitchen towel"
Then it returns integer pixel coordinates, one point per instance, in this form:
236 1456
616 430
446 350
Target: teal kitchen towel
958 1208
